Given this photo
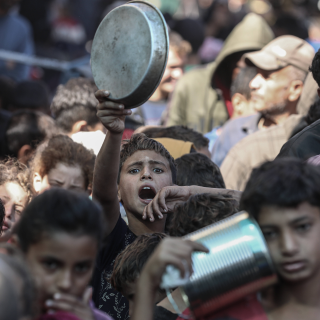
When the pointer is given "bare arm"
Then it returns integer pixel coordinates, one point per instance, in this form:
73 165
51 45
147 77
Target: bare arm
170 251
168 197
105 189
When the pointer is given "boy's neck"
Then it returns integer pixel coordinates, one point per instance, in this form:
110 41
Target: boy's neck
139 226
305 293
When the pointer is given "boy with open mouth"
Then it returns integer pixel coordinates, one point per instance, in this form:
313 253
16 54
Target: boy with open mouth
132 176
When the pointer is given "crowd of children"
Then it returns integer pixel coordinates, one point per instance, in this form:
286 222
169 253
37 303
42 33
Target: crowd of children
87 233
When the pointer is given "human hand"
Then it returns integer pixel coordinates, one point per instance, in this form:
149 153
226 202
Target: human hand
111 114
165 201
171 251
68 303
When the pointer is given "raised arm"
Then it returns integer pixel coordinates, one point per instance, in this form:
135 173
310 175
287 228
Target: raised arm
105 190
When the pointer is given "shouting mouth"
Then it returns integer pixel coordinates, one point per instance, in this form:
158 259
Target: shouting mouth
146 194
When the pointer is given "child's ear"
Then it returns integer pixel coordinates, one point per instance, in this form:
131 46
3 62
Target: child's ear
14 240
37 181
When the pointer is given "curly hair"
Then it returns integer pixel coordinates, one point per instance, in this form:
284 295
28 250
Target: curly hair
12 170
131 260
63 149
140 142
179 133
197 169
200 211
73 102
284 182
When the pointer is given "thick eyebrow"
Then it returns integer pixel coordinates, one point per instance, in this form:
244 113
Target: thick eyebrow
299 220
58 260
55 180
291 222
137 163
157 162
140 163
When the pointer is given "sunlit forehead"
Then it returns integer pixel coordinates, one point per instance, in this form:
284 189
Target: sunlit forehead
146 157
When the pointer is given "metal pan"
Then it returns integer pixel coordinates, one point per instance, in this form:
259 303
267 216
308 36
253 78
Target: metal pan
129 53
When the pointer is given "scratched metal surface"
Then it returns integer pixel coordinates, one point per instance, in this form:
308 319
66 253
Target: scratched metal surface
129 53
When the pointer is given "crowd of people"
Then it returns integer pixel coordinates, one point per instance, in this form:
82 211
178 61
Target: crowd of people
95 197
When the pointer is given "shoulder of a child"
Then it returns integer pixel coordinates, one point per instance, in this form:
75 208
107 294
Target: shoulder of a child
119 238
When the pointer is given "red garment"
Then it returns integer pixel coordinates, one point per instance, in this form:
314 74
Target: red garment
127 133
248 308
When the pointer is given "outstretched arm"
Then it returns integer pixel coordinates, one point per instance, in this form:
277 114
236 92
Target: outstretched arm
105 190
168 197
170 251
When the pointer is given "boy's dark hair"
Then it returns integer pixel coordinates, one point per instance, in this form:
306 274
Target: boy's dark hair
12 170
200 211
59 210
284 183
197 169
63 149
179 133
241 82
129 263
28 128
11 256
313 113
315 67
140 142
32 95
75 101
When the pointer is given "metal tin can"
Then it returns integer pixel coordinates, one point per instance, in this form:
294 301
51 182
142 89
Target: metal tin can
238 264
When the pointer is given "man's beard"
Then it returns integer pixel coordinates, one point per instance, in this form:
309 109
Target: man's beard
275 109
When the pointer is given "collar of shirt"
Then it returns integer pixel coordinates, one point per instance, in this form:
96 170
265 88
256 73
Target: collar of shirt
251 123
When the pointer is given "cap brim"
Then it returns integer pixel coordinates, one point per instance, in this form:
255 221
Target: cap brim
263 60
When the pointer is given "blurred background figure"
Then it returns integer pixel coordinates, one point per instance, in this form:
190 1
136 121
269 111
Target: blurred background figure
152 112
15 35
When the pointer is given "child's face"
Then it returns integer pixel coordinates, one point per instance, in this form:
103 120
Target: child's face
14 199
142 176
62 176
62 263
293 237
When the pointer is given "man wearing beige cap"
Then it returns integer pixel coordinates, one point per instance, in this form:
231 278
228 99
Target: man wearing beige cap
282 67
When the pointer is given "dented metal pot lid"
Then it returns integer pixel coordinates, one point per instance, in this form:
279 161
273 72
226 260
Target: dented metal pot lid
129 53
